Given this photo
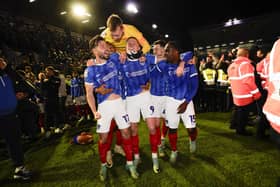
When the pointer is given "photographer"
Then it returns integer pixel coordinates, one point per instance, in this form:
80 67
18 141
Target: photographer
9 123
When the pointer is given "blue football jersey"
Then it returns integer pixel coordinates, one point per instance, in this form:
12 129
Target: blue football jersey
76 87
183 87
107 73
158 78
193 83
136 74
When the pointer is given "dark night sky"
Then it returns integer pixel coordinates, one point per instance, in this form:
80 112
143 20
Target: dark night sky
172 17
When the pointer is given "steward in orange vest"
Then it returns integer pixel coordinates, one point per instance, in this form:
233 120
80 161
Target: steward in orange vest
244 89
271 107
262 69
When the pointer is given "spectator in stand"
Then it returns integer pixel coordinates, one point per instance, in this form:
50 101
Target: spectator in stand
78 95
62 99
29 75
40 103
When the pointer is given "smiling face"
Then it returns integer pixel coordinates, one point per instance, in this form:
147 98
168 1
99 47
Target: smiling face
101 50
158 50
132 45
118 33
171 53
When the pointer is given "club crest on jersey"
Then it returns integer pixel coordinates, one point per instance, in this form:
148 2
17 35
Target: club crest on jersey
186 69
171 72
111 64
86 73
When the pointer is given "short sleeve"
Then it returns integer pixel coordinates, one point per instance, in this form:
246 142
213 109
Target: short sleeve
88 76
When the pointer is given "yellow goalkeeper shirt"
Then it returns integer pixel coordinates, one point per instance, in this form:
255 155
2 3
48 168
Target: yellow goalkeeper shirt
129 31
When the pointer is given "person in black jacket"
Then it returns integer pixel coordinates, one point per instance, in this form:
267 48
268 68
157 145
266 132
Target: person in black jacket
9 123
49 89
27 110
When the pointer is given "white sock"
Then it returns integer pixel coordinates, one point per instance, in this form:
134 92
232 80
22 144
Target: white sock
136 156
103 164
154 155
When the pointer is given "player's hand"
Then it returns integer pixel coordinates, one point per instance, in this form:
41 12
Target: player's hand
90 62
103 90
182 107
3 64
146 86
180 69
191 61
97 115
142 59
122 57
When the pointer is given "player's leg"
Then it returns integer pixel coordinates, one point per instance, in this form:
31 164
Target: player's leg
188 118
150 114
103 127
123 124
133 111
172 120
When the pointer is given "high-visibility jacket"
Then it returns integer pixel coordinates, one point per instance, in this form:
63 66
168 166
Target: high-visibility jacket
209 76
271 107
222 78
242 81
262 70
129 31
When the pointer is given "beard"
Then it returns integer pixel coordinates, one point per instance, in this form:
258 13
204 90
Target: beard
105 55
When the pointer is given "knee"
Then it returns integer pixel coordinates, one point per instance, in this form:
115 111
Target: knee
103 139
152 130
192 130
134 130
172 131
126 133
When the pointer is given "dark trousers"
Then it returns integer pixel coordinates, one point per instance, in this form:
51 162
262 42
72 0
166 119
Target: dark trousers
263 123
221 98
52 113
28 114
10 131
209 95
241 116
62 110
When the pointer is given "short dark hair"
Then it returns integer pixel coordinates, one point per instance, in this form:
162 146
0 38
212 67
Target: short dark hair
113 22
94 41
162 43
50 68
175 44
